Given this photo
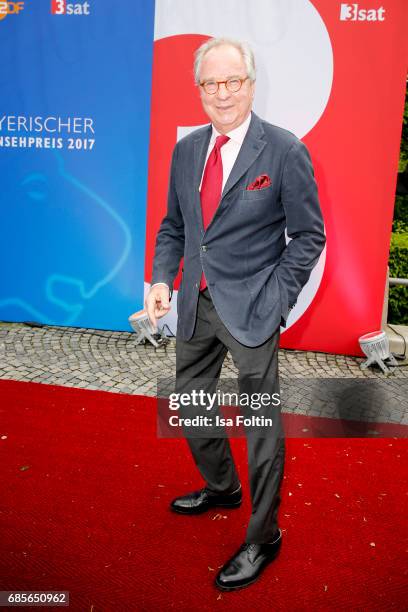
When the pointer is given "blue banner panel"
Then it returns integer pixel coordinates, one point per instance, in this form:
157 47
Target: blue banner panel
74 140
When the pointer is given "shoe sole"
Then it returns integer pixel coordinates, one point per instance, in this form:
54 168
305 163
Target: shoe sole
201 511
243 586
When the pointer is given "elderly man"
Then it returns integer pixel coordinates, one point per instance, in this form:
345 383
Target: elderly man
235 186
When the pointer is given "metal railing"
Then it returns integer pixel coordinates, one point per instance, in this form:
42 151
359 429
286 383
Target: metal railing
398 281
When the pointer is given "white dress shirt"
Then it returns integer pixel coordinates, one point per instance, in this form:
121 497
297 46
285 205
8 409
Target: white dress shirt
229 152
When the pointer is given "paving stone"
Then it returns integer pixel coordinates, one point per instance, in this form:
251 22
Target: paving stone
111 361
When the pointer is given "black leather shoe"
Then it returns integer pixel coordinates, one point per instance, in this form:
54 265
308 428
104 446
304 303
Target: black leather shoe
247 564
201 501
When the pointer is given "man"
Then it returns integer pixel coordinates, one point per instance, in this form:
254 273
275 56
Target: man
235 186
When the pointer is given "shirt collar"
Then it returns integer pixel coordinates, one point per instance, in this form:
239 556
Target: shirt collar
237 135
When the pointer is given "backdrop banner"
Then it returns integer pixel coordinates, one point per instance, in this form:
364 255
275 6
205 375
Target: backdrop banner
94 97
334 74
74 138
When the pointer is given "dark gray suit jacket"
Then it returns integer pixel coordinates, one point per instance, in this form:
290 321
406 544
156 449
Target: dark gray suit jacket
253 277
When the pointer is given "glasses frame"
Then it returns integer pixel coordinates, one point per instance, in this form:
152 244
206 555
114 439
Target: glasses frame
242 81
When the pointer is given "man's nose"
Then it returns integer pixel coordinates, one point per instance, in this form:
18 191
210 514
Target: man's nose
223 92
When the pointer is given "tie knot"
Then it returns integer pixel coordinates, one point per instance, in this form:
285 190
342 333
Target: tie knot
220 141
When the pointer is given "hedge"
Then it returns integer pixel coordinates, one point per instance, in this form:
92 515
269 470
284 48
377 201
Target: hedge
398 262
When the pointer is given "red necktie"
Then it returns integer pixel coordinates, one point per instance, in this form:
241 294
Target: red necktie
211 187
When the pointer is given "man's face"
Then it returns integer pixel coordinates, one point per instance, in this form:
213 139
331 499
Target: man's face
226 109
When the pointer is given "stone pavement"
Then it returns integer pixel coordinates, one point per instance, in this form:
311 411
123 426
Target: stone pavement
110 361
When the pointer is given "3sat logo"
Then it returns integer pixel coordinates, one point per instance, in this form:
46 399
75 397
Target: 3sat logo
62 7
10 8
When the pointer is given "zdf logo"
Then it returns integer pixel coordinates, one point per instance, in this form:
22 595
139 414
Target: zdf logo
352 12
10 8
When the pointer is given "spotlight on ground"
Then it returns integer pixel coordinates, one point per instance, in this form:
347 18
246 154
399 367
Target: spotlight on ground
376 347
145 331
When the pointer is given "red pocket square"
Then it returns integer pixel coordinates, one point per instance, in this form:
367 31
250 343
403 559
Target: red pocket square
260 182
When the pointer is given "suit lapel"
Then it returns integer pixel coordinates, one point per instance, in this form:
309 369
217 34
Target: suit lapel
251 148
201 143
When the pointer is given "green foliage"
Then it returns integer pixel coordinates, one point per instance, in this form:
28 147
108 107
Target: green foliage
399 241
398 262
403 161
400 223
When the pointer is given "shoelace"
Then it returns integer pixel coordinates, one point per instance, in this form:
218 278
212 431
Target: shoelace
248 547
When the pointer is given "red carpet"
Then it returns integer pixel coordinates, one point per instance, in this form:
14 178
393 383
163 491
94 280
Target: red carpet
85 486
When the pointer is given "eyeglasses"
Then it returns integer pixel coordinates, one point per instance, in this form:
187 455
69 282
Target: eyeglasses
233 84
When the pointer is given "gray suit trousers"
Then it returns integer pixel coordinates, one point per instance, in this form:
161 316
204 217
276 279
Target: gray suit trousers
202 357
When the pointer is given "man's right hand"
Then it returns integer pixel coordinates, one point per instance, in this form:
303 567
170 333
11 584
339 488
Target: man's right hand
157 303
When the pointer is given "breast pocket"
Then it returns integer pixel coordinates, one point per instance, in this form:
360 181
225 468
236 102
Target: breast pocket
257 204
257 194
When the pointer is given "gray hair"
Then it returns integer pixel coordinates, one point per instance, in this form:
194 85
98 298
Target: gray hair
243 48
